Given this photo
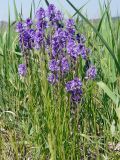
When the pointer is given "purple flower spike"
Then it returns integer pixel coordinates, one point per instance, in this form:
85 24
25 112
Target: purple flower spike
72 49
58 16
76 95
40 14
70 23
64 65
52 78
19 27
80 38
51 10
22 70
54 65
73 85
83 53
91 73
28 22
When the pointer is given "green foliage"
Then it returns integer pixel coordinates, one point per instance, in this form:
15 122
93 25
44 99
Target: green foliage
38 122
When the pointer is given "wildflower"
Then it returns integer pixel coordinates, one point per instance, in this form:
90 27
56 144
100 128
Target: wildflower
64 65
40 14
80 38
51 11
22 70
19 27
38 39
73 49
76 95
91 73
54 65
52 78
59 41
73 85
58 16
41 25
83 52
57 37
70 27
70 23
28 22
25 41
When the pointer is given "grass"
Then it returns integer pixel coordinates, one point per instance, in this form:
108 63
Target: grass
38 122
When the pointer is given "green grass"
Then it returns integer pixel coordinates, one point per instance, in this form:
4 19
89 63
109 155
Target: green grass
37 120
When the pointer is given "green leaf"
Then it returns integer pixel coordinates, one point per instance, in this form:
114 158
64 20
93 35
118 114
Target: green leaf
31 11
47 3
15 11
106 89
101 20
21 12
9 26
80 8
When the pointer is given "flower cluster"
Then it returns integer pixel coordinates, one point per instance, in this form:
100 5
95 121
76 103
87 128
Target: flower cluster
25 35
22 70
91 73
59 38
74 87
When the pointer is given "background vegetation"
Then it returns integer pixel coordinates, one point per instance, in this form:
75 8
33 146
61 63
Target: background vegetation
36 121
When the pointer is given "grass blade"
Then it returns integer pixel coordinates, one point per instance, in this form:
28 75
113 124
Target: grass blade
114 98
31 11
9 32
47 3
101 20
34 6
15 11
80 9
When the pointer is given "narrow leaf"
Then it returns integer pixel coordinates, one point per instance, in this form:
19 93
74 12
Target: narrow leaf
47 3
80 9
114 98
31 11
15 11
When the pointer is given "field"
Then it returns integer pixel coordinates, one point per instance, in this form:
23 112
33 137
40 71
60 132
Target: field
40 121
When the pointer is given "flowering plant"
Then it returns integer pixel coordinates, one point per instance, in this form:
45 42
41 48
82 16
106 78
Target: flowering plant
64 45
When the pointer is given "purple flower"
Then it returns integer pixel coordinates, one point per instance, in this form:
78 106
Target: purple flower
54 65
57 37
70 23
59 41
52 78
41 25
22 70
73 49
83 52
40 14
58 16
80 38
19 27
28 22
76 95
91 73
38 39
73 85
25 41
51 10
64 65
